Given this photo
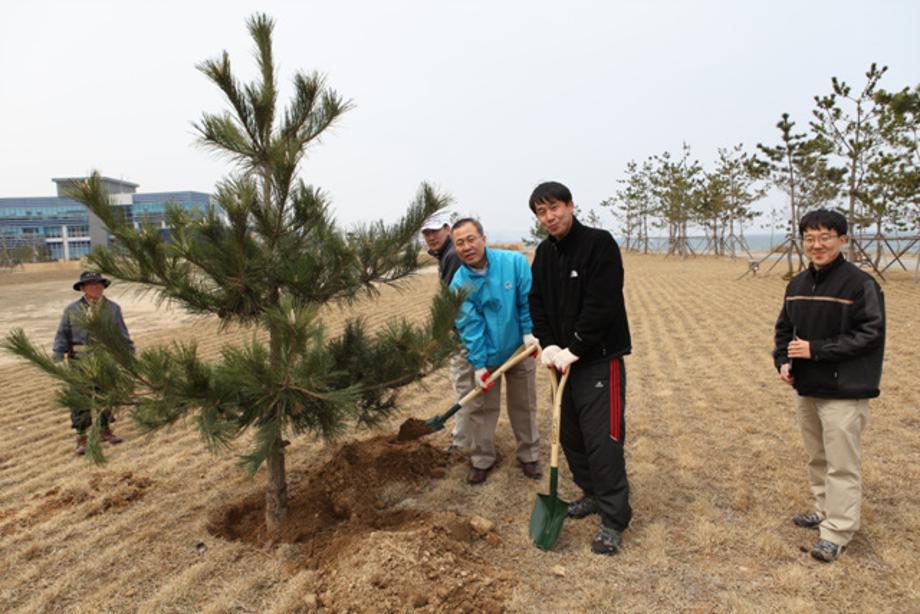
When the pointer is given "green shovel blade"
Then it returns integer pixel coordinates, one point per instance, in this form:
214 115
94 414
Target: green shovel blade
549 512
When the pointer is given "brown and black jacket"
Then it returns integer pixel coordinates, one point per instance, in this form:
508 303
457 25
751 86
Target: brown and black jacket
840 311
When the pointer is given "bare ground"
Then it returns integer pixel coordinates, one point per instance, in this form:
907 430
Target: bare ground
713 451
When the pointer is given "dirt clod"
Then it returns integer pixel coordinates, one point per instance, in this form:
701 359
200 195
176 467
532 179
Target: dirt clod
481 525
413 428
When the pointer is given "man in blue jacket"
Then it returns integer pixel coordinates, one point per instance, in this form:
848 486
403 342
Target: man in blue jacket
493 322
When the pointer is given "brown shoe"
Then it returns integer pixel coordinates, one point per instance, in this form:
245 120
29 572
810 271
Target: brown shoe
477 475
109 436
81 445
531 470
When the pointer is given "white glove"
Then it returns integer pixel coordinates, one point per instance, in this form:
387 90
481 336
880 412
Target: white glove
549 352
481 376
563 359
530 341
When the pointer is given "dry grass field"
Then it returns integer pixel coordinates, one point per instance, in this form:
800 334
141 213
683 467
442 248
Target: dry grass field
713 452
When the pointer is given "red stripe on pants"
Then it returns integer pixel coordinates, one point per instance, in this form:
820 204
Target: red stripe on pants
616 404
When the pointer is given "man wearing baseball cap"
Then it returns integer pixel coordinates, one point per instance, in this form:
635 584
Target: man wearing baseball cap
436 231
72 338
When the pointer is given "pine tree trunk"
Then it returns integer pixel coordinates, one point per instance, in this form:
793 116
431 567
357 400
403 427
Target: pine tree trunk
276 500
851 253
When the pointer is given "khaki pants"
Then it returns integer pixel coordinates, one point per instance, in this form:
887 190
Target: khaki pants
482 413
461 377
832 431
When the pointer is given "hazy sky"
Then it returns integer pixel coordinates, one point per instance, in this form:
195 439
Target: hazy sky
482 98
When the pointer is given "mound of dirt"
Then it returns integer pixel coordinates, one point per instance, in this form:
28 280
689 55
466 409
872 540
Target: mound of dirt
355 523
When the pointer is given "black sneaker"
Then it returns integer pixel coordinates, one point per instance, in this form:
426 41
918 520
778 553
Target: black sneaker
808 520
585 506
826 552
606 541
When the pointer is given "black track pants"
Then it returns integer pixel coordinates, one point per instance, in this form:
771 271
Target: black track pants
592 434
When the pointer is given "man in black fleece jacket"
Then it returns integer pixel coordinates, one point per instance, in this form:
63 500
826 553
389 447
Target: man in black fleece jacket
829 345
579 317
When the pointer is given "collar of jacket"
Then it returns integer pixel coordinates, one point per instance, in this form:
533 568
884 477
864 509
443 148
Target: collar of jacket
438 254
571 238
819 275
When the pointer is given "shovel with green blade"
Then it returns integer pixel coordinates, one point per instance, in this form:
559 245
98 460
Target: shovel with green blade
549 511
437 423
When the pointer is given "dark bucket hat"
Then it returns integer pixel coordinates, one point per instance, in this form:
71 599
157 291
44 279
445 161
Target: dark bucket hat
87 276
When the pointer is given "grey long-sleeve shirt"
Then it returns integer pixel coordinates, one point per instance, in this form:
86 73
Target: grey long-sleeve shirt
71 334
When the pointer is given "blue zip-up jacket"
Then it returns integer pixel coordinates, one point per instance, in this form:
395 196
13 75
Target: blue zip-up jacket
496 314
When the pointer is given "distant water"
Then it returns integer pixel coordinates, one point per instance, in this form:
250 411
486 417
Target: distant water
758 242
754 242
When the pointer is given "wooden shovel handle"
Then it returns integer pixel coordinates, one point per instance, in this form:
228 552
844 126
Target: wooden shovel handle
519 354
557 414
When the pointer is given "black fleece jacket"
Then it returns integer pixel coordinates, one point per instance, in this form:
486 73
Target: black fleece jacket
576 300
840 311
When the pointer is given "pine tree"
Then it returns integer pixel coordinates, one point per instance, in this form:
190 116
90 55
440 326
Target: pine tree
268 259
891 187
632 205
798 166
854 135
675 185
741 182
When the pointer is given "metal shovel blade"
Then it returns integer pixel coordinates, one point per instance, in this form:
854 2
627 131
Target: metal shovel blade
549 512
437 423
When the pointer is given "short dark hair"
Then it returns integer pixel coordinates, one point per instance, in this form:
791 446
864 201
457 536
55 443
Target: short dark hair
547 192
468 220
822 218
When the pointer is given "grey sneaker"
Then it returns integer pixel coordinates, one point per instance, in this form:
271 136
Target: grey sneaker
583 507
606 541
826 552
807 520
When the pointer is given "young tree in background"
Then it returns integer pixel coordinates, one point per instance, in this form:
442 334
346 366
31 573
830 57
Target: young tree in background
631 205
674 186
891 189
854 135
537 234
710 209
798 166
741 180
270 263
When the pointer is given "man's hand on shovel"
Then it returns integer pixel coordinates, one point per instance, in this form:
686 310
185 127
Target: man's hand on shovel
482 378
548 354
563 359
530 341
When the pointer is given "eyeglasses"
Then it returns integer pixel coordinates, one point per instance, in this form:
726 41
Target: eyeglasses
823 238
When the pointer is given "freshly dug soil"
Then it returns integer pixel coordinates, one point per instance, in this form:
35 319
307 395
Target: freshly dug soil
356 512
413 428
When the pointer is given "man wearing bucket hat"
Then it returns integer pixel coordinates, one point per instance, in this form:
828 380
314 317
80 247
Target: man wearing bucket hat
72 338
436 231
